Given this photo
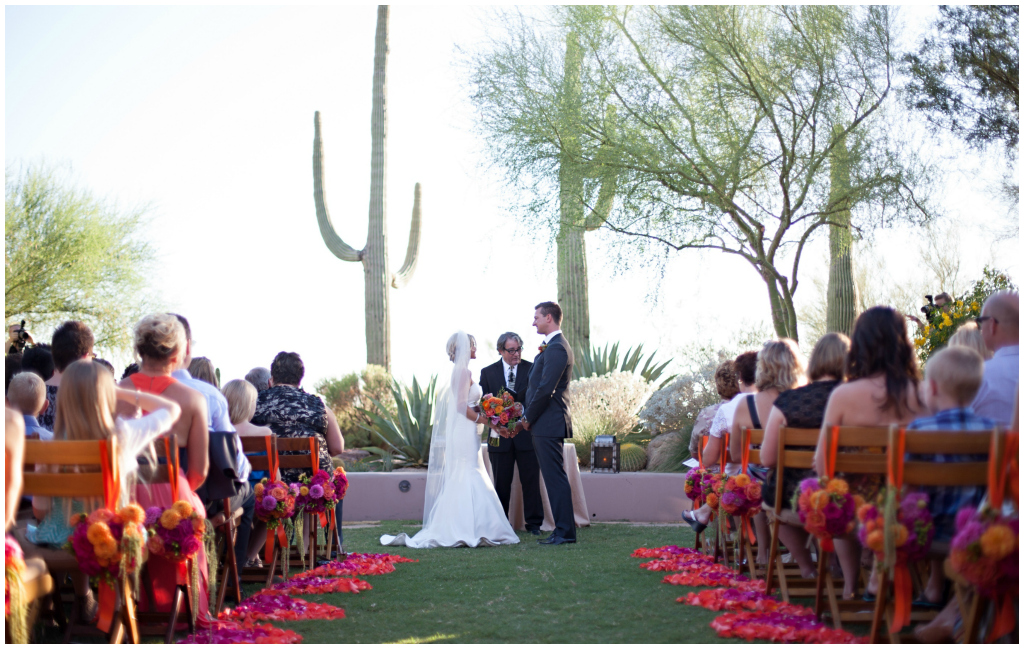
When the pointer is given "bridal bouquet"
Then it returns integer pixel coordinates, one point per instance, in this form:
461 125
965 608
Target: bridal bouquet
502 411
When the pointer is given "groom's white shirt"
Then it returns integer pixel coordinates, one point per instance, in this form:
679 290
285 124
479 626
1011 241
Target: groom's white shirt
548 337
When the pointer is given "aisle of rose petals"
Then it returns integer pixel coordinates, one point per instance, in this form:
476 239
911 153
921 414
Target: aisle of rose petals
248 623
748 613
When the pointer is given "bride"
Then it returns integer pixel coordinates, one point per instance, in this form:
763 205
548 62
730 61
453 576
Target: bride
461 507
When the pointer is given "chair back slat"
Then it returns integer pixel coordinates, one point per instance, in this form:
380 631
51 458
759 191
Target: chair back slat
927 473
960 442
255 449
302 455
799 436
753 437
62 453
65 469
67 485
952 474
797 459
791 455
847 462
871 436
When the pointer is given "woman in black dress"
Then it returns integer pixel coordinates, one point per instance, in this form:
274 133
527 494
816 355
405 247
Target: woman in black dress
802 408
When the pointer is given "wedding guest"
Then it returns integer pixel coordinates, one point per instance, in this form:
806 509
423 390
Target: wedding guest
85 412
38 359
969 335
161 345
202 368
727 386
999 324
259 377
14 451
130 369
746 368
882 375
105 363
802 407
12 365
28 394
71 341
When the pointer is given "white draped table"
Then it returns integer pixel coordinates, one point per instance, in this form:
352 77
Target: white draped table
515 505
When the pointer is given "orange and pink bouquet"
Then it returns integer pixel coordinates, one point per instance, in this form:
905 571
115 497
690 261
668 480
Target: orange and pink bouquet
175 533
741 495
107 543
827 508
502 409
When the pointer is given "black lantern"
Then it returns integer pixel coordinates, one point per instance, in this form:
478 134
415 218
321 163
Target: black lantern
604 455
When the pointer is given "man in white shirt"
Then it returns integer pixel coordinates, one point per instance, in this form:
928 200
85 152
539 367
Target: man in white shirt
219 421
1000 328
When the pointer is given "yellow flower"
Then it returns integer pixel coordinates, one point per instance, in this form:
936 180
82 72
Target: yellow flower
998 541
170 519
98 532
304 491
974 306
132 513
106 549
259 488
183 508
742 480
838 487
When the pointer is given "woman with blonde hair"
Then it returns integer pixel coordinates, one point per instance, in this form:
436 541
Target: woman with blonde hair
161 346
85 411
969 335
202 368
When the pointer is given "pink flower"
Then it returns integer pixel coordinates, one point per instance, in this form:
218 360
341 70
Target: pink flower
965 515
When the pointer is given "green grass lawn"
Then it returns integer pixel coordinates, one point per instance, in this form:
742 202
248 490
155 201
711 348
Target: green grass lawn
584 593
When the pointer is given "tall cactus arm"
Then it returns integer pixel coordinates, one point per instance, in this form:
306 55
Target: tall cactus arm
334 243
412 253
607 172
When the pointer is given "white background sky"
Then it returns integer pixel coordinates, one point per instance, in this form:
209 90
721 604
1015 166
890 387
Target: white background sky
206 115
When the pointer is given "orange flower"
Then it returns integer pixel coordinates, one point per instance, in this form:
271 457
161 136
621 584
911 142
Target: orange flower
901 534
259 488
870 526
815 520
100 516
876 540
170 519
819 499
98 533
279 493
133 513
742 480
304 491
106 549
858 501
838 487
498 410
183 508
998 541
753 491
862 512
199 525
712 500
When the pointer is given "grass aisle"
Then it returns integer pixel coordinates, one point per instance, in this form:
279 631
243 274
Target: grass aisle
584 593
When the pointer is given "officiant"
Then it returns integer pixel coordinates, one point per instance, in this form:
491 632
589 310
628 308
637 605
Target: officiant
513 374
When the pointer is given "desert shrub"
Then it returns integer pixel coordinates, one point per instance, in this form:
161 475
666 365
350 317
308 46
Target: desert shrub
404 433
346 395
605 405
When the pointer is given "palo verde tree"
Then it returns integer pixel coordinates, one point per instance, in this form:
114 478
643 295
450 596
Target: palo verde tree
725 125
69 255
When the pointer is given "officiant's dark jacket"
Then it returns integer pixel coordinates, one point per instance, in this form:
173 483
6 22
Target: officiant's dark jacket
492 379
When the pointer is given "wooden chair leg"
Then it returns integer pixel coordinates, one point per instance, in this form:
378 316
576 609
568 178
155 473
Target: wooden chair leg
173 617
877 619
128 616
773 554
819 588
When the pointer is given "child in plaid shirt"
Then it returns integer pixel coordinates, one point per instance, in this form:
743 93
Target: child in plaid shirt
951 381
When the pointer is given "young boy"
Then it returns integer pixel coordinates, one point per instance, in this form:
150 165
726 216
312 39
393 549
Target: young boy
27 393
951 381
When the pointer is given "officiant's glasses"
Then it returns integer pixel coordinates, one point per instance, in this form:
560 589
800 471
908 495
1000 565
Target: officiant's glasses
514 350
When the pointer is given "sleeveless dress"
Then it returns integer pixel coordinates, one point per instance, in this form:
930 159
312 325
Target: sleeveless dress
164 574
467 512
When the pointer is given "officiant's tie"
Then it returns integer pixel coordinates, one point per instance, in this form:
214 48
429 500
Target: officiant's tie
511 379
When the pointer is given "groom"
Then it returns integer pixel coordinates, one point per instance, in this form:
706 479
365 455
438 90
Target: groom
547 417
513 374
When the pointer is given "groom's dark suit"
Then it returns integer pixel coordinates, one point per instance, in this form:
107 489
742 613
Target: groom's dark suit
547 410
518 450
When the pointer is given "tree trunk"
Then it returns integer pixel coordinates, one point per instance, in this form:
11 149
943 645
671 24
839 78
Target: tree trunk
841 310
572 255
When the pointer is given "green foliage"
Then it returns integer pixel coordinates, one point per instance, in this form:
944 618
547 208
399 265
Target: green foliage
607 405
632 457
942 325
406 431
347 394
598 362
966 76
69 255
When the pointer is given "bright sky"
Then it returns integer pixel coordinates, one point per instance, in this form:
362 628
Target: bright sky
206 114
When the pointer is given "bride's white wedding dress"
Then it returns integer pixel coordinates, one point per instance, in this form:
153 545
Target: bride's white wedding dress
461 507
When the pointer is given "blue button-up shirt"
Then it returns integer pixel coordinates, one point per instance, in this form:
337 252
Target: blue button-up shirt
32 426
999 386
217 419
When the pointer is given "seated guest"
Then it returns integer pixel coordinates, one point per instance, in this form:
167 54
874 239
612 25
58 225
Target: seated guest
290 411
218 421
12 365
802 407
882 375
745 366
727 386
107 365
241 397
202 368
160 344
72 341
969 335
260 378
14 451
38 359
999 324
951 381
28 394
86 411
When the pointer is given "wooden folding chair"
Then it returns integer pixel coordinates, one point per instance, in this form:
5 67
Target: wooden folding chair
154 623
262 455
927 474
723 545
750 436
790 456
303 453
700 542
86 469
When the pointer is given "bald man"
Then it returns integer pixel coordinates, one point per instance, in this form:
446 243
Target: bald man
999 324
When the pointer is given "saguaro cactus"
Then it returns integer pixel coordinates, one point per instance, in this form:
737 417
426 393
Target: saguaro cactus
374 255
573 289
841 306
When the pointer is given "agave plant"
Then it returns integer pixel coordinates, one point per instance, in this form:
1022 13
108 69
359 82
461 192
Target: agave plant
598 362
405 430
